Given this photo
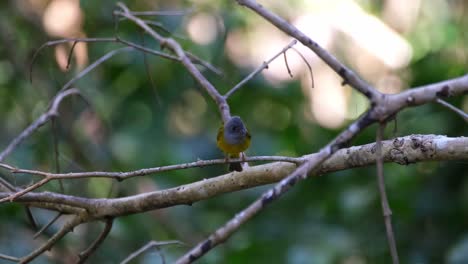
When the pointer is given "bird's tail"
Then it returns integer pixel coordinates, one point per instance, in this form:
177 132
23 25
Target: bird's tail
235 166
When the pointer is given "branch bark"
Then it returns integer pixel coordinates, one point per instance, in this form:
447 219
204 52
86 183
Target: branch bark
402 150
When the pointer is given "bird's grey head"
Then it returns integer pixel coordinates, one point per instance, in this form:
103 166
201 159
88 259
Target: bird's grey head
235 131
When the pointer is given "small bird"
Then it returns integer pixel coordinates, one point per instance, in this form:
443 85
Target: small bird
233 138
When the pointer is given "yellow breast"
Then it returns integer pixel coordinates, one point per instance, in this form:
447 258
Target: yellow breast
230 148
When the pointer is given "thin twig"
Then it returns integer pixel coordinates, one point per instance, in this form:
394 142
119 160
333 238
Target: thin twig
205 64
10 258
184 58
44 118
61 41
70 53
349 77
24 191
301 173
66 228
308 66
30 217
287 65
141 172
155 244
56 150
125 175
162 13
56 217
96 63
147 50
148 73
458 111
83 256
259 69
387 212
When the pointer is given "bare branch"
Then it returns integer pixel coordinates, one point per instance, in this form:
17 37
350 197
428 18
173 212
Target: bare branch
26 190
301 173
454 109
61 41
94 246
10 258
149 245
162 13
402 150
44 118
387 212
185 60
349 77
421 95
47 225
98 62
67 227
120 176
205 64
259 69
308 66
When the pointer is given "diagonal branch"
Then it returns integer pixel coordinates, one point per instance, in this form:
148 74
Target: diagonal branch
349 77
10 258
301 173
458 111
184 58
44 118
83 256
402 150
149 245
66 228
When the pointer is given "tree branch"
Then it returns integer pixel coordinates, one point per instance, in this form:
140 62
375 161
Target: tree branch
66 228
349 77
453 108
184 58
44 118
83 256
402 150
259 69
387 212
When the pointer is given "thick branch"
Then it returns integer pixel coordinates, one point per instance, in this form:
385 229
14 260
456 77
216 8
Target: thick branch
403 150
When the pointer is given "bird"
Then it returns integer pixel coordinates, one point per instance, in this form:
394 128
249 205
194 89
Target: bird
233 138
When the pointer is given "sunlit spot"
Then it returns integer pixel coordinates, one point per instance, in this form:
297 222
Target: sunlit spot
237 48
202 28
61 56
316 26
401 14
328 101
390 84
63 18
373 35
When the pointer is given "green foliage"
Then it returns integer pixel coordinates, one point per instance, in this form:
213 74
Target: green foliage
145 111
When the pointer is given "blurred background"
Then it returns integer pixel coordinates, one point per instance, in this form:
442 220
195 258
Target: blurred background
145 111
